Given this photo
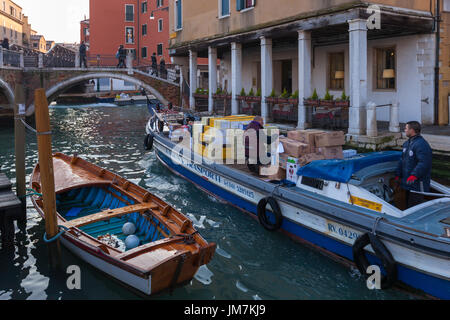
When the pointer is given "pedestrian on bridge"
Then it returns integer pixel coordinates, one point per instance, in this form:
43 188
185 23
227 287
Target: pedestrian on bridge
5 44
121 55
83 60
154 64
162 67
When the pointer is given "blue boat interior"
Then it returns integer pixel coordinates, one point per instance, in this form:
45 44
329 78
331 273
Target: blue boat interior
85 201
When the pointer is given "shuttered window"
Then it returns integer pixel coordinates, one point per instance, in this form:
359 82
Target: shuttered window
129 12
244 4
179 14
224 8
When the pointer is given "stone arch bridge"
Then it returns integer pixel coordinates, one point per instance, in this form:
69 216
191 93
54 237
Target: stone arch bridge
56 80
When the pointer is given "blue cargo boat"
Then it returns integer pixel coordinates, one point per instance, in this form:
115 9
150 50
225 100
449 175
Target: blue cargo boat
343 208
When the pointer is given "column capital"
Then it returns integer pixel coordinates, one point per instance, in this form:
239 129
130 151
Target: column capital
212 50
236 46
304 35
357 25
265 41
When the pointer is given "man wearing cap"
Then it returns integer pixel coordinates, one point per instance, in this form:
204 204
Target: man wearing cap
414 169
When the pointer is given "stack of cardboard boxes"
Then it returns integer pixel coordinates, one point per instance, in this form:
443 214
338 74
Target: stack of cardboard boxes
304 146
227 126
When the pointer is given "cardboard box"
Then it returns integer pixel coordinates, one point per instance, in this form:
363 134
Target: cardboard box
280 175
330 139
268 170
304 136
291 169
295 148
332 152
283 160
310 158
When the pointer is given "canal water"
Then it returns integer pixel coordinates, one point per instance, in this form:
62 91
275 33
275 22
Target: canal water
250 263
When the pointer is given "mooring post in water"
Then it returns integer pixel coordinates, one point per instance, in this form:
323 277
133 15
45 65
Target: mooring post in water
47 176
20 145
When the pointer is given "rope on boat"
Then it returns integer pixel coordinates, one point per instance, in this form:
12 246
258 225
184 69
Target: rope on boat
33 193
33 129
375 225
65 229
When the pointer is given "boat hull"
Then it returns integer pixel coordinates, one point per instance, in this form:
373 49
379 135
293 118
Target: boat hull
330 236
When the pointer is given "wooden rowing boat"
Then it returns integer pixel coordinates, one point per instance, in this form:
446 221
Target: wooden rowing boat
94 204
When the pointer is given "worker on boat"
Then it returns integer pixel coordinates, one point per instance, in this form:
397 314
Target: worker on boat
253 164
414 169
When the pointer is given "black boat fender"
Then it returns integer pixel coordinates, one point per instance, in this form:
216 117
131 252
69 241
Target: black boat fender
262 216
381 252
148 142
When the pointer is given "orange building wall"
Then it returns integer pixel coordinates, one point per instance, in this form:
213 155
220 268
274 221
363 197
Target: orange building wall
107 28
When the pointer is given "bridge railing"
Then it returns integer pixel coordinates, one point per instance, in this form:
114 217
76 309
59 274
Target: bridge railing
10 58
168 72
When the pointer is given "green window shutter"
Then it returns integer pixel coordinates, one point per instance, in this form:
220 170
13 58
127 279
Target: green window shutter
239 5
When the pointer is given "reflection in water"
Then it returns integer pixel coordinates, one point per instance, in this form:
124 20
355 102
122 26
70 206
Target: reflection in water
250 263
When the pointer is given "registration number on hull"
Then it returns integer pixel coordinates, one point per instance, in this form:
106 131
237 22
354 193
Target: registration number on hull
342 232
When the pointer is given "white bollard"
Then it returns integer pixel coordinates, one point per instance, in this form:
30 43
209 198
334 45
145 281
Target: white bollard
77 60
371 110
1 58
41 61
394 123
22 60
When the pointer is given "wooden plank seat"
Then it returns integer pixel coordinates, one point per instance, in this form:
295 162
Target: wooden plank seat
108 214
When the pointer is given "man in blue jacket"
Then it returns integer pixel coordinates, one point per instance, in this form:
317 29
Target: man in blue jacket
414 169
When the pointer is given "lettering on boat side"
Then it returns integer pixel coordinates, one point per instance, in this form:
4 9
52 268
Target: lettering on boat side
74 280
241 309
342 232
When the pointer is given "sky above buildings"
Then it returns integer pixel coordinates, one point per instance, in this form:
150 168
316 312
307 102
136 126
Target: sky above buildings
57 20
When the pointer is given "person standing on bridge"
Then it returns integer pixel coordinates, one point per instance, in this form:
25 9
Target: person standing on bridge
162 67
5 44
83 55
154 64
414 169
121 54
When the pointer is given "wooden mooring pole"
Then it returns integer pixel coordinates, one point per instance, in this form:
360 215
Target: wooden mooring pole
20 148
47 175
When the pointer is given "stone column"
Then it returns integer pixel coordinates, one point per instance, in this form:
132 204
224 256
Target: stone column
192 77
2 64
266 75
358 76
394 123
304 75
212 78
236 75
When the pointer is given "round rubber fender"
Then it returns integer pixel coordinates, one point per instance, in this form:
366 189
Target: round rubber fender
148 142
262 216
381 252
132 100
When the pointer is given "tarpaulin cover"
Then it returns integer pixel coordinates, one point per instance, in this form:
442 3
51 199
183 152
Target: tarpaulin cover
342 170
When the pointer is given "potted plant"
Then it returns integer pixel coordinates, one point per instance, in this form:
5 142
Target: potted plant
272 98
343 101
313 100
293 99
242 96
220 94
252 98
327 101
284 97
200 93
